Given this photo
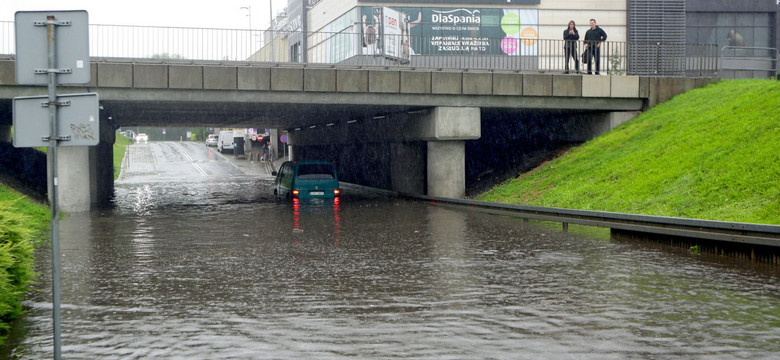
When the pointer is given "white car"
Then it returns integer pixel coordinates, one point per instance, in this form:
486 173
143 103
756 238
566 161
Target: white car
141 138
212 140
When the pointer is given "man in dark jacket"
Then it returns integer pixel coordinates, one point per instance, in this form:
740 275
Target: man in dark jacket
594 37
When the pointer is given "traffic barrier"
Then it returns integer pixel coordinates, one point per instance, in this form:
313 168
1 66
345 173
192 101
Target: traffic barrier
251 156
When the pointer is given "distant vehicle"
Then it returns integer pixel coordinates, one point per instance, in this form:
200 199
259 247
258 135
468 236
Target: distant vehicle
225 140
141 138
306 179
212 140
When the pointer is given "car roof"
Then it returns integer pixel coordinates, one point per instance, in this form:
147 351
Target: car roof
314 162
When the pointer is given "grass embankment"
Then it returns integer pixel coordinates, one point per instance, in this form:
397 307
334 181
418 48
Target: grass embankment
711 153
23 223
120 145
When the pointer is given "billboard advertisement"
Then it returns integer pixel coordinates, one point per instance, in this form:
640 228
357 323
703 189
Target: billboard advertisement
399 32
466 2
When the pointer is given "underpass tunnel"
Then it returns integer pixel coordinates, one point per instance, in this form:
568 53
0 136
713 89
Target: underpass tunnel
472 148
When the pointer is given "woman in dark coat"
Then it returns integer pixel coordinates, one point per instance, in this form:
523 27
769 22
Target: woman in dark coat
571 35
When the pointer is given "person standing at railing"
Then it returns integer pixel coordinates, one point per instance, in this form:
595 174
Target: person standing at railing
735 38
571 35
594 37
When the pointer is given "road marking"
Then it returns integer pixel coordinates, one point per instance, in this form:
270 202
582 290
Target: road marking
191 160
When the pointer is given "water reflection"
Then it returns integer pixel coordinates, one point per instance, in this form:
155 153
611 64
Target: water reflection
207 270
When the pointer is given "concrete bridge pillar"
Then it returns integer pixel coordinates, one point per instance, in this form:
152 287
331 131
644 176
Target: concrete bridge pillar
73 181
447 169
447 129
274 143
86 173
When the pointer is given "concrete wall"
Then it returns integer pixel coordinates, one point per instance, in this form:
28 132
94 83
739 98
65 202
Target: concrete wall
102 166
5 133
408 167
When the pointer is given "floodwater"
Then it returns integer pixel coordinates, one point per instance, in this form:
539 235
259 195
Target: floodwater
206 268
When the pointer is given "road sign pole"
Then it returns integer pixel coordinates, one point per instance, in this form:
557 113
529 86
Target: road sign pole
67 63
55 222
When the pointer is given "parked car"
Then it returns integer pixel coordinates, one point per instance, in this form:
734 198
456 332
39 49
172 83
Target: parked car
141 138
306 179
212 140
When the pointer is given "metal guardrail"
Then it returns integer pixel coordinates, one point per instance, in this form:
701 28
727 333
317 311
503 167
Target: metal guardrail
151 42
729 232
349 47
740 58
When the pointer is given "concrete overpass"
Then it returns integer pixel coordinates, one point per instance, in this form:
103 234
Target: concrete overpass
425 115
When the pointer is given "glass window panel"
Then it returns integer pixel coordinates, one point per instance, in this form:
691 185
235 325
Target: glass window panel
709 19
694 19
707 35
762 37
726 19
744 19
762 19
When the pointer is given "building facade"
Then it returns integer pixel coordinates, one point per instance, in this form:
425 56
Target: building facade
644 36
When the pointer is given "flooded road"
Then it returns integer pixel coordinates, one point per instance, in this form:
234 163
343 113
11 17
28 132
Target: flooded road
206 265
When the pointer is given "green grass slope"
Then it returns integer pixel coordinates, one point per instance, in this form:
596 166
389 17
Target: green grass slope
120 145
711 153
23 223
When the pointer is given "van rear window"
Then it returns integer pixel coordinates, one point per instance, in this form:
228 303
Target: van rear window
316 171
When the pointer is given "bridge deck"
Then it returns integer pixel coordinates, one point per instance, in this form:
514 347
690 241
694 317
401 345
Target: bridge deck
219 93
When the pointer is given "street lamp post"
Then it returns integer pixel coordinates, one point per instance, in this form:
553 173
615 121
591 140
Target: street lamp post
249 14
248 9
271 25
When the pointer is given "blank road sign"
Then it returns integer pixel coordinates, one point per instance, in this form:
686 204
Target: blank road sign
79 120
32 49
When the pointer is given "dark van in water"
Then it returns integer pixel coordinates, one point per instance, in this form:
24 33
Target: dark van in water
306 179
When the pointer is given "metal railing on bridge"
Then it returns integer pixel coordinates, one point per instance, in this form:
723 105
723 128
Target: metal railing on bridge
740 61
350 47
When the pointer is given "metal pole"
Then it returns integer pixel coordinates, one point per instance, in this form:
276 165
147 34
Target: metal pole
304 32
55 224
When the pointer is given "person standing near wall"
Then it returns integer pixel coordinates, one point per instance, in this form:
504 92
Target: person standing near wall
571 35
594 37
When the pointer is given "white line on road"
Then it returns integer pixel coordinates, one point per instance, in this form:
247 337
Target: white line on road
191 160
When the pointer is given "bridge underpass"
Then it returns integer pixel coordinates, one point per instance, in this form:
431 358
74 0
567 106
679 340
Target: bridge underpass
410 127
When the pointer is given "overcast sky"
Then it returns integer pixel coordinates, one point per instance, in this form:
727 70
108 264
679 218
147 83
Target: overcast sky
225 14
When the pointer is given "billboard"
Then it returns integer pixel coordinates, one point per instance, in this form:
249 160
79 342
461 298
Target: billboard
466 2
399 32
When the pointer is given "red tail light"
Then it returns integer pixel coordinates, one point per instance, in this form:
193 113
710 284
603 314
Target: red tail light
296 192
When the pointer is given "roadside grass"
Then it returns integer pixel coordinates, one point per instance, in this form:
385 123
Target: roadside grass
120 145
22 226
711 153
